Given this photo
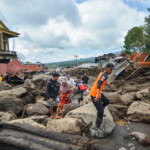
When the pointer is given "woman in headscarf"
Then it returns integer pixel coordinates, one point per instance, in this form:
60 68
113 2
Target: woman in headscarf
65 91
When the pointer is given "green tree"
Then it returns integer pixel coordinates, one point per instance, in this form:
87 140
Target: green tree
147 34
134 40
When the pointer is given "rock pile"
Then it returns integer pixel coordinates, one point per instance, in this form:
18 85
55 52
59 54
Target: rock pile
94 71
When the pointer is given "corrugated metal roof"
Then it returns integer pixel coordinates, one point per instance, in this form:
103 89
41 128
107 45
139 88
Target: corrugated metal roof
142 57
143 64
88 65
134 56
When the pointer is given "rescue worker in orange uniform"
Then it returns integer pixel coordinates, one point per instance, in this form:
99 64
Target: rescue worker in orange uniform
98 98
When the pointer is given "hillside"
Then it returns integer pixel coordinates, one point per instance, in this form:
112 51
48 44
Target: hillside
72 63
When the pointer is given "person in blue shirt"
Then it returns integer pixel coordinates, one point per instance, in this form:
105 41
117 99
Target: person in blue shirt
79 82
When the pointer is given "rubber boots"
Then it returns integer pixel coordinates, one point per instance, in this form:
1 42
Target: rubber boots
97 125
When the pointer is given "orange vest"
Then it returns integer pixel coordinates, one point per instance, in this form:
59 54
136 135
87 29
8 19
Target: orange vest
93 91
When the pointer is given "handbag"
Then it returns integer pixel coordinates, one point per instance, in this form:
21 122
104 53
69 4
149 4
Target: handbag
82 87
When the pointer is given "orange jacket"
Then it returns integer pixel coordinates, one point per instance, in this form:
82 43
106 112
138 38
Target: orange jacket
93 91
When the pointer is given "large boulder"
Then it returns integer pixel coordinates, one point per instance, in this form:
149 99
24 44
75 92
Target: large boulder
129 89
88 113
8 116
5 86
114 98
65 125
37 109
128 98
69 107
28 122
40 81
11 104
139 111
16 93
143 139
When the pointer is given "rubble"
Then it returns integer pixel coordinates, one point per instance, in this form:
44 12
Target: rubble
8 116
93 71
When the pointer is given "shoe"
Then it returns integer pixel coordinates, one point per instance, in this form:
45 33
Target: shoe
97 126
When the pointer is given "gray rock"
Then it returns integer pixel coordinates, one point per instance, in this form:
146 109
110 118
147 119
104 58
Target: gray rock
28 84
139 111
8 116
130 89
69 107
11 104
143 139
88 113
27 121
5 86
29 99
114 98
16 93
37 109
128 98
40 81
39 118
65 125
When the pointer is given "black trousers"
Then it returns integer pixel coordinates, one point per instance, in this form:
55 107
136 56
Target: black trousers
100 105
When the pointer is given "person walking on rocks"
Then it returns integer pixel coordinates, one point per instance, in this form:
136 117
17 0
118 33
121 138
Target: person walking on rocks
52 92
70 82
98 98
79 82
85 78
65 91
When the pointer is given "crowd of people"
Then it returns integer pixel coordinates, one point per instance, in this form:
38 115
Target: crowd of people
63 94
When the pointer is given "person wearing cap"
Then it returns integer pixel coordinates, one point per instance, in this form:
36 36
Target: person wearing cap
70 82
52 92
98 98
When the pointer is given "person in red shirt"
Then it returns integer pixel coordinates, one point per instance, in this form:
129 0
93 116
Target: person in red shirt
65 92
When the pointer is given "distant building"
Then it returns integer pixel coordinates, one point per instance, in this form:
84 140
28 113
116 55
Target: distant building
5 34
88 65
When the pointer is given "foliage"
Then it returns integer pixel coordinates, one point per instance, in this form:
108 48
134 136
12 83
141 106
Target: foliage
134 40
27 62
147 34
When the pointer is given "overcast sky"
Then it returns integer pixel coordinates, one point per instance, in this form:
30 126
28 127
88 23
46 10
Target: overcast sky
56 30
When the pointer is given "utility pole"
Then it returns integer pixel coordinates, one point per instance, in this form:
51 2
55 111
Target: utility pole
76 59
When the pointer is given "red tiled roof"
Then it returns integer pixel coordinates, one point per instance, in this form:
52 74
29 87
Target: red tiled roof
13 66
33 67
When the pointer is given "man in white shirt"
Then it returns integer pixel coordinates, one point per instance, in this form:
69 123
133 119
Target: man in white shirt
70 82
